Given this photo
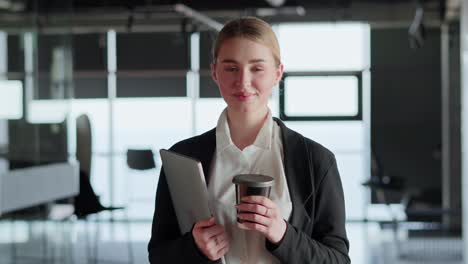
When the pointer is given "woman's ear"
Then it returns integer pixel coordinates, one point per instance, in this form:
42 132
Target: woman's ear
213 72
279 73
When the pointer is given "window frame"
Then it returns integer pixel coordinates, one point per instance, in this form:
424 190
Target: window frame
282 90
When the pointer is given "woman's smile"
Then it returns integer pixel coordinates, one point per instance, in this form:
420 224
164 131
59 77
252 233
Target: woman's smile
244 96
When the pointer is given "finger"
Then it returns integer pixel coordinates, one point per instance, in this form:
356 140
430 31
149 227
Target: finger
212 231
221 238
223 249
256 218
212 245
259 200
253 226
205 223
256 209
222 244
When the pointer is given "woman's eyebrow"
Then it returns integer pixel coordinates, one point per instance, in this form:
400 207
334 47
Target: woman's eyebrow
256 60
228 61
250 61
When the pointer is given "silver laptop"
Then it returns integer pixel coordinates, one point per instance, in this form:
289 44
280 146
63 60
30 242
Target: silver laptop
187 187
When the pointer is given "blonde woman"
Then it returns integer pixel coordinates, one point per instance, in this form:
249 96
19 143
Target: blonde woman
303 220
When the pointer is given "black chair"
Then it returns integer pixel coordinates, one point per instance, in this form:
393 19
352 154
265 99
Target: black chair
423 213
87 202
141 160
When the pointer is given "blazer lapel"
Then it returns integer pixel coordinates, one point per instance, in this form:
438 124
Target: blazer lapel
205 151
297 170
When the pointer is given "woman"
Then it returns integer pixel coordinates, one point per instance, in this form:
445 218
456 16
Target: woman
303 221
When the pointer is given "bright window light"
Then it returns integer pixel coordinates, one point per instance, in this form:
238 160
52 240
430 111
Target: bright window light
47 111
321 96
323 47
11 99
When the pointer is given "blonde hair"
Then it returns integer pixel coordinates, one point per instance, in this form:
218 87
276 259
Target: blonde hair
250 28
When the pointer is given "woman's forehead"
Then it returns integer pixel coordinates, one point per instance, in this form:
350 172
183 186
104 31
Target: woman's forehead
235 49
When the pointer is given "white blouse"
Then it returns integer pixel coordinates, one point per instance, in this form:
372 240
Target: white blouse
264 156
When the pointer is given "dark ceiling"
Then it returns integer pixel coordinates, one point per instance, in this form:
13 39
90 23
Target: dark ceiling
58 5
159 14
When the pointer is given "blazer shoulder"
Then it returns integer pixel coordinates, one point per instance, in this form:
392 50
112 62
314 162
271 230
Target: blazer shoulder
202 141
319 152
320 158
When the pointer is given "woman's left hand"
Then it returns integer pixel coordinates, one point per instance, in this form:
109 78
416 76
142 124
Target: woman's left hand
263 215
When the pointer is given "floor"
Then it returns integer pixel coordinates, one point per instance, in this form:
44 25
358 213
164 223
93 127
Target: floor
73 242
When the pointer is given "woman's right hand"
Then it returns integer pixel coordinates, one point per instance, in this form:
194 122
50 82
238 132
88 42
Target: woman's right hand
210 238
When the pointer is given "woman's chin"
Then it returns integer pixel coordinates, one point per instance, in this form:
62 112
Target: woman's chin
245 108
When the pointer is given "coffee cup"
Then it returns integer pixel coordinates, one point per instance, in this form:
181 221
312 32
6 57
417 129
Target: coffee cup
251 184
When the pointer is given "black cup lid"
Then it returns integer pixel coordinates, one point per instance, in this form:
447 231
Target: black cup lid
253 180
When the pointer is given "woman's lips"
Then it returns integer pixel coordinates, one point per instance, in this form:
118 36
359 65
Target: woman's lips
244 96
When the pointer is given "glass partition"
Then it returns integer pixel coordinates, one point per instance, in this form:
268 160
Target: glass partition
40 67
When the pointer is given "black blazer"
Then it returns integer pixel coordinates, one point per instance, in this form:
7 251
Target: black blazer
316 229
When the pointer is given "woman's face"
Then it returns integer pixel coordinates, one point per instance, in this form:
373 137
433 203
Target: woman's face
245 72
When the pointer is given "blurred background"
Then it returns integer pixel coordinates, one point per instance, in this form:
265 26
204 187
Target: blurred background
91 90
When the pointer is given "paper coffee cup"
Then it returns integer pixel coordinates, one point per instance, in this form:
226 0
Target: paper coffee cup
251 184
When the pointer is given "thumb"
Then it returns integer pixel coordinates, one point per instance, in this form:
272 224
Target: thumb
205 223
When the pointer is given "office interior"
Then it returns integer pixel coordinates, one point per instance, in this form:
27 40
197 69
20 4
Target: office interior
90 91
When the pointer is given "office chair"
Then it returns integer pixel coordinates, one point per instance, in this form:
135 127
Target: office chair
87 202
141 160
418 209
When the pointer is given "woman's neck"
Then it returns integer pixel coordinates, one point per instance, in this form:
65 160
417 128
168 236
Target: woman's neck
244 127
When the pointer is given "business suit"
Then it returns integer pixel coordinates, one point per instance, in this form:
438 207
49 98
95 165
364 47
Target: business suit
316 229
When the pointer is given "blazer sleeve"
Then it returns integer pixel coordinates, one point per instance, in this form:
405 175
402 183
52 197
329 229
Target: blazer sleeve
327 243
167 245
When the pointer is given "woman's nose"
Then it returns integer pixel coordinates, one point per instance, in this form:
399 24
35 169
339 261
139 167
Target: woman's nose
243 79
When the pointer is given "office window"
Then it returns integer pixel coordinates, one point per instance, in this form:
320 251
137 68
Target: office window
11 99
324 47
325 79
206 42
15 46
145 123
333 96
49 76
98 112
208 88
149 86
152 51
208 111
89 86
150 122
89 52
152 64
90 65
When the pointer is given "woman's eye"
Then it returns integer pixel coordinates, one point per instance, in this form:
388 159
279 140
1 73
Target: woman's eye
257 69
230 69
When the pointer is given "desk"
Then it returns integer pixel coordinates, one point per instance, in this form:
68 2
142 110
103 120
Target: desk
22 188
